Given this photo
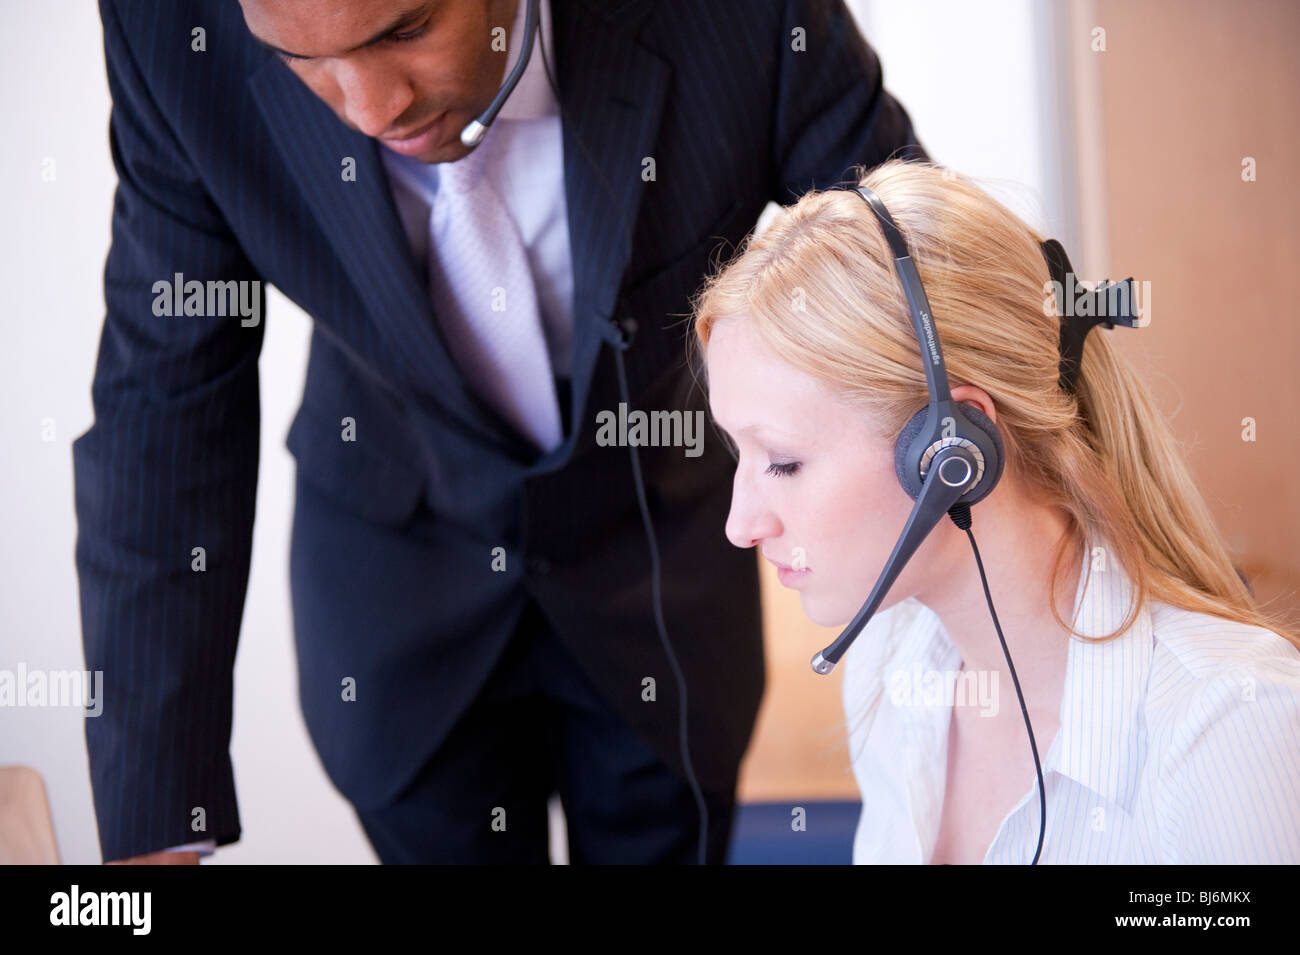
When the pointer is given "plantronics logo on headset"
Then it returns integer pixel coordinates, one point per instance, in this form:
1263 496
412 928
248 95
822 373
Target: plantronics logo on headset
935 357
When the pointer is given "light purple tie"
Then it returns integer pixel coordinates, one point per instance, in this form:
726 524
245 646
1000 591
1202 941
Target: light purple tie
483 293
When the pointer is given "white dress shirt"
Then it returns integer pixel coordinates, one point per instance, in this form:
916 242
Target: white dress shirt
529 175
1179 740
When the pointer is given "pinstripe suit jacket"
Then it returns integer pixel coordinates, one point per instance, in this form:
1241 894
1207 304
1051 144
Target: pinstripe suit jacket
229 169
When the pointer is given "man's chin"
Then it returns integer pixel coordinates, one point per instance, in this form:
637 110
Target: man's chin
446 152
442 143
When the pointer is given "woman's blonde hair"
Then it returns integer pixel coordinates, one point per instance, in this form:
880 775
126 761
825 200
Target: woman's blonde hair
818 288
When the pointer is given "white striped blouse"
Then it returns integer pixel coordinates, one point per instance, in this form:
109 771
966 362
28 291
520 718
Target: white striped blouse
1179 740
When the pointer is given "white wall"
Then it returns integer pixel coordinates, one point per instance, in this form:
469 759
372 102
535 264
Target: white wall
52 250
986 86
976 79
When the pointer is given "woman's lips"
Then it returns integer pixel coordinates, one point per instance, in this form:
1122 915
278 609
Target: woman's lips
421 140
788 575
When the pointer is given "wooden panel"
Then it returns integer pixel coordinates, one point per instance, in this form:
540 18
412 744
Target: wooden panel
26 830
1187 91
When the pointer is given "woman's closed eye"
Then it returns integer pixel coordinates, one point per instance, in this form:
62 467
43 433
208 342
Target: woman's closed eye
776 469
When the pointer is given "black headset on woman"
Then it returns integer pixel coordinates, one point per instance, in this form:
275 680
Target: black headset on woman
950 456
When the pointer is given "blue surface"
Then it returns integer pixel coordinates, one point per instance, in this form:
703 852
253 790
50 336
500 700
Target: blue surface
764 833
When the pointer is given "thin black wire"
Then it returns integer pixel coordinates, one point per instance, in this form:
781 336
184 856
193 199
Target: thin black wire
963 521
656 590
683 738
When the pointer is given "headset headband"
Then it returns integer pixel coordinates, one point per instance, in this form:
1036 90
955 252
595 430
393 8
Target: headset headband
1109 304
936 375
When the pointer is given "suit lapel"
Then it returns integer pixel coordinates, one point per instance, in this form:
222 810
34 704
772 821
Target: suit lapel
612 91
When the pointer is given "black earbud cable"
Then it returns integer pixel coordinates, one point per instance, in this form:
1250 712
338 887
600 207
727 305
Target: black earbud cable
960 515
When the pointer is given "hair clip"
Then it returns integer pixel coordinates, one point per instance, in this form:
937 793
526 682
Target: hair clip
1082 309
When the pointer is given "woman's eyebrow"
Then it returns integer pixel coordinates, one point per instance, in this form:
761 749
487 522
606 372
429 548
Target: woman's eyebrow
757 426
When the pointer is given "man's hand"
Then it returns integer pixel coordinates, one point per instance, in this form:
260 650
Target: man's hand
160 858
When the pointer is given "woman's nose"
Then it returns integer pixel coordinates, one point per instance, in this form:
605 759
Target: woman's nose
750 519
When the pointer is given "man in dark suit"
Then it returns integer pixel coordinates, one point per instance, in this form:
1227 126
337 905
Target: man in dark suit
472 598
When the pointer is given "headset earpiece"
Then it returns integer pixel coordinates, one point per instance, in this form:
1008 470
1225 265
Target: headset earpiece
972 428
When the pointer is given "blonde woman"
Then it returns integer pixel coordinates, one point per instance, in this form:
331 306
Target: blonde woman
1164 703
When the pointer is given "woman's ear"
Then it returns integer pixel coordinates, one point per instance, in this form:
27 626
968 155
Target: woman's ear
969 394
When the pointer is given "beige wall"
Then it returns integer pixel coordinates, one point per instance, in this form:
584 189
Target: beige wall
1183 92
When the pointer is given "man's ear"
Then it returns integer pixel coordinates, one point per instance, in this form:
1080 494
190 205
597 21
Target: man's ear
969 394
